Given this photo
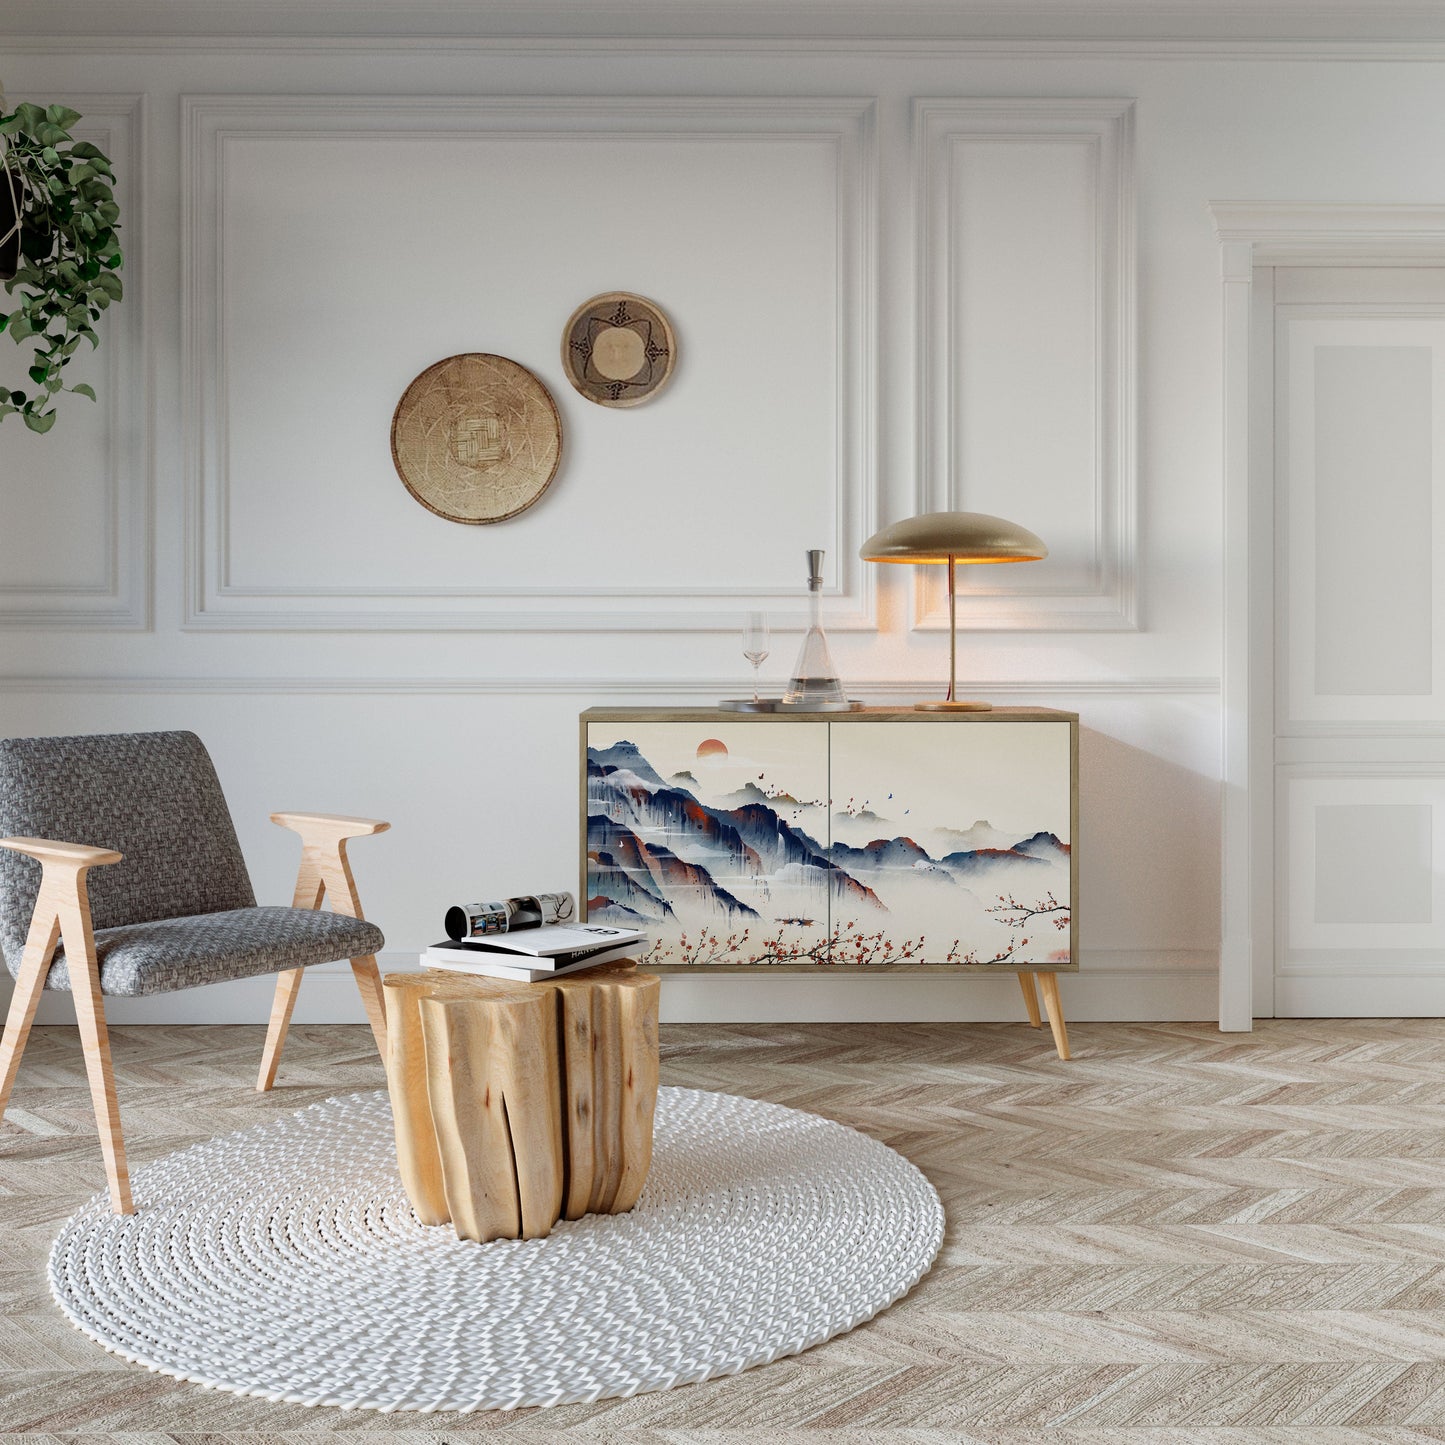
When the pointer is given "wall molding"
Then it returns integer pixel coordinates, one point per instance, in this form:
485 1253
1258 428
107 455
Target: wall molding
1326 233
1304 52
1187 32
121 598
1106 127
847 126
878 690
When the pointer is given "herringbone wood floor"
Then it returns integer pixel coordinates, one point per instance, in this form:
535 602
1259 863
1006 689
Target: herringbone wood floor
1180 1236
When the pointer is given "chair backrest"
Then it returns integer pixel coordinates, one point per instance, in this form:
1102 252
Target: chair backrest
154 797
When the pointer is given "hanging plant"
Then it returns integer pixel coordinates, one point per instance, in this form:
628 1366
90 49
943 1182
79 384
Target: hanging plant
9 220
67 220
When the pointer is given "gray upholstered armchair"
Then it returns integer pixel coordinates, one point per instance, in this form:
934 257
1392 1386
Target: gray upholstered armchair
170 906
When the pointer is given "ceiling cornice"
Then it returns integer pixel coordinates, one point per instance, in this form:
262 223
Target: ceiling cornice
1266 51
1053 25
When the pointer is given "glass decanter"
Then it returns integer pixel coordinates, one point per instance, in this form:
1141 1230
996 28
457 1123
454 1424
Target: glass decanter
814 682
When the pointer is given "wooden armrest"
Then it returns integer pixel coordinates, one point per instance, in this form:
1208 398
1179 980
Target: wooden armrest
74 855
329 825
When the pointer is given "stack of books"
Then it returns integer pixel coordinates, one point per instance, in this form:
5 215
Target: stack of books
531 954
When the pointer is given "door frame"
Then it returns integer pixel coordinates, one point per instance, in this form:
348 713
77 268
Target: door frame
1255 234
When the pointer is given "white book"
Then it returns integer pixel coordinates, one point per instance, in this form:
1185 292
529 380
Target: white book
495 952
555 938
456 959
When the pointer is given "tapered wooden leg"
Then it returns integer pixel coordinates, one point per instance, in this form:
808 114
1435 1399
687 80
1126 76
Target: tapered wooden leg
95 1045
368 980
1031 998
283 1002
324 872
62 911
334 868
34 965
1049 982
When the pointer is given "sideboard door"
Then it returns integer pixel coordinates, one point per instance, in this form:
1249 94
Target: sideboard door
957 836
713 836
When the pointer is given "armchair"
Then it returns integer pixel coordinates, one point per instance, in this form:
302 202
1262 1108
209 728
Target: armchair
171 905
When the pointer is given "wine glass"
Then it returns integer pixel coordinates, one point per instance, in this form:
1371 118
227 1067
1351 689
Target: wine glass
756 645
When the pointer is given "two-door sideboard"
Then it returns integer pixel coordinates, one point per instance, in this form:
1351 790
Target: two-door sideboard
878 841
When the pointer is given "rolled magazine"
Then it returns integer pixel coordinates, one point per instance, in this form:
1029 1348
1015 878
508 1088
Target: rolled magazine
509 915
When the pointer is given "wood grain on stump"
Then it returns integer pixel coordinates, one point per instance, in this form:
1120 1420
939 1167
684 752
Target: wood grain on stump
518 1104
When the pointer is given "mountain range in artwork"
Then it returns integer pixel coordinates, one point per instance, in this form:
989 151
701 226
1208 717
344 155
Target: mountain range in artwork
774 869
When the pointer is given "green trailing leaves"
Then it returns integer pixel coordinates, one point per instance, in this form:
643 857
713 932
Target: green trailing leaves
70 252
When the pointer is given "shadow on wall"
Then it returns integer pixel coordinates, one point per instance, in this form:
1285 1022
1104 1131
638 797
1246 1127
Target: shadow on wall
1149 834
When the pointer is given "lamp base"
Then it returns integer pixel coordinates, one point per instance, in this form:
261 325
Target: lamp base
953 707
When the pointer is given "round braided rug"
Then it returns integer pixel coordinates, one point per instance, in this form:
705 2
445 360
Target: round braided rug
285 1262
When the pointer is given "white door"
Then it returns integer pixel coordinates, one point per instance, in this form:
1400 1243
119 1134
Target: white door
1359 731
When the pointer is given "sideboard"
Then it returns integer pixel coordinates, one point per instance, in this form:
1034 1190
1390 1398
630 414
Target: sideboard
874 841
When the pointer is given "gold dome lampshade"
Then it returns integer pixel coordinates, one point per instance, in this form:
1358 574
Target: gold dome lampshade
953 537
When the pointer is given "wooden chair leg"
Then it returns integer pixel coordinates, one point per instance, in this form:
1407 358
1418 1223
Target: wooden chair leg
283 1002
1049 983
373 1000
335 870
95 1045
1031 998
324 873
62 911
34 965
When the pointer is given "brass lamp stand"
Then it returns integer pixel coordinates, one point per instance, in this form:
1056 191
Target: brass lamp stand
953 537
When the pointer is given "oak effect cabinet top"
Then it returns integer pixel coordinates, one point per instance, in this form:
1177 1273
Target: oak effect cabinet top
865 714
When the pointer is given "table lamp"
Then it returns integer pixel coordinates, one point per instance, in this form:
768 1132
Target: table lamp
953 537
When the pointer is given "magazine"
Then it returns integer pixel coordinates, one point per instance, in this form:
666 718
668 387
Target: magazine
509 915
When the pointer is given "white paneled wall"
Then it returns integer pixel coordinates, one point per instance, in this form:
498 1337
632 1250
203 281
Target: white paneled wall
1026 319
749 219
900 278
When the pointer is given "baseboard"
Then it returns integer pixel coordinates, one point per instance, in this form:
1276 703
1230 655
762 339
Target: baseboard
1112 987
1329 996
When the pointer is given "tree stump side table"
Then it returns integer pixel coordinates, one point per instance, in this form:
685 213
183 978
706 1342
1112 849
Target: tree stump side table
519 1104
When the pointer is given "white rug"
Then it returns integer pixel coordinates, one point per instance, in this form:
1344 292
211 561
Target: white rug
285 1262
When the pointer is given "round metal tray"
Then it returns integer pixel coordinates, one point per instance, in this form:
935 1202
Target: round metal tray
776 704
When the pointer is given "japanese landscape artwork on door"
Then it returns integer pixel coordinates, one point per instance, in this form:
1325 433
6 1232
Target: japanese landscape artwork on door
848 844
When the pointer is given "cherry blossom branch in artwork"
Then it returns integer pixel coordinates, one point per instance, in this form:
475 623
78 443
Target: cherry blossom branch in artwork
1014 914
955 955
702 950
847 945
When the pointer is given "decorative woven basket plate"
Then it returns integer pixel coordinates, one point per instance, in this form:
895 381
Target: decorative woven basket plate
476 438
285 1262
618 349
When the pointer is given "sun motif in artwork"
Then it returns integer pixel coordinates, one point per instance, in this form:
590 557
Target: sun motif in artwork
711 750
